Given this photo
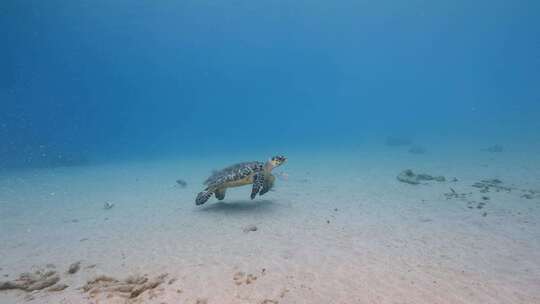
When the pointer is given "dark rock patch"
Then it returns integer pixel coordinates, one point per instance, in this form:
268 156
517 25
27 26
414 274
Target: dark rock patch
37 280
493 184
409 177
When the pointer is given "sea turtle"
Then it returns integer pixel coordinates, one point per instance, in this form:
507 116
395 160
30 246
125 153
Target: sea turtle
254 172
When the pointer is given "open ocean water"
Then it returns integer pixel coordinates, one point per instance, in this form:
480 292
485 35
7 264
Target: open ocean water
411 131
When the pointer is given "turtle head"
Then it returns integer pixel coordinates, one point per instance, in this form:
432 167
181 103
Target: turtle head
277 161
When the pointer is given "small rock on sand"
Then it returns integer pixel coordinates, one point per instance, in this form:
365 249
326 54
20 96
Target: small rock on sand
73 268
249 228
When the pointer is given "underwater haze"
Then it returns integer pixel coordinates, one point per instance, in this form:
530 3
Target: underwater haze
270 152
120 79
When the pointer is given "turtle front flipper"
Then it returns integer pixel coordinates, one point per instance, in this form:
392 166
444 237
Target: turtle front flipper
220 193
258 182
268 184
203 196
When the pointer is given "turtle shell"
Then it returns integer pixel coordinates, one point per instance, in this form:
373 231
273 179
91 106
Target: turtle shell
233 173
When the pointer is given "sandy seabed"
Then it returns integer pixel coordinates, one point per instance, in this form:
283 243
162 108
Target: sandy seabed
340 229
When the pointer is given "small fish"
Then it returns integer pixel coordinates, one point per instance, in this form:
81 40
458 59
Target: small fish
181 183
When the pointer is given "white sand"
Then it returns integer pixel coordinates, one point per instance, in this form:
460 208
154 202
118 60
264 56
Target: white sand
388 242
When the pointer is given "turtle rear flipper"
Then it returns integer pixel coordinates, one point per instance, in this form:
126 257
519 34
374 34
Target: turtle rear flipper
220 193
203 196
258 182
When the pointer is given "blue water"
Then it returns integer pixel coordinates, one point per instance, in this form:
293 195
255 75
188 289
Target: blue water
91 81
